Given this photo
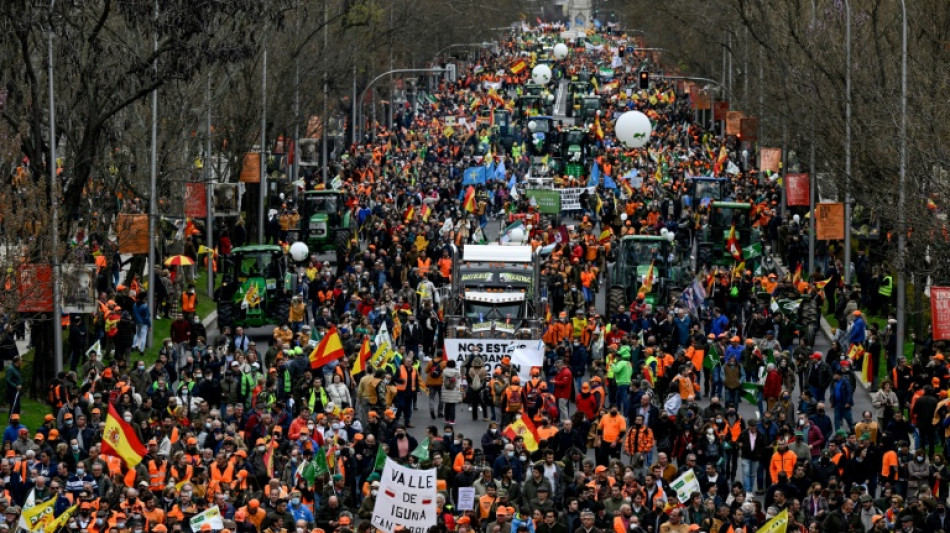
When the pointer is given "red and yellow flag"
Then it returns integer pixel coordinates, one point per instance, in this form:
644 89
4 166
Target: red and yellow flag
627 189
720 160
524 427
426 212
328 350
856 352
411 212
647 286
468 203
732 244
359 364
605 236
821 284
518 66
119 439
797 276
598 130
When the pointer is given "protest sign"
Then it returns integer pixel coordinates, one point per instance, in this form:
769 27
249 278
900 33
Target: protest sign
211 515
466 498
685 485
406 498
523 354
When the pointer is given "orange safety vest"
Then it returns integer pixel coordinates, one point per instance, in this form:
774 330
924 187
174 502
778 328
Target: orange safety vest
188 302
424 265
405 378
156 476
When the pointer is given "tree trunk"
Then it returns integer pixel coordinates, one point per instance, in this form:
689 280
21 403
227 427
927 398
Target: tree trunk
44 370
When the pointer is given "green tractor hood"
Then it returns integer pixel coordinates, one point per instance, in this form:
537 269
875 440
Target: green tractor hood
318 217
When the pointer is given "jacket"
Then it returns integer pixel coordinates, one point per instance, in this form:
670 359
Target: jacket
842 394
782 462
758 451
339 394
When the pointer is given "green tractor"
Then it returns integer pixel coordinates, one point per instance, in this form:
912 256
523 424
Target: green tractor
577 90
589 106
574 151
325 222
711 249
503 130
258 287
635 254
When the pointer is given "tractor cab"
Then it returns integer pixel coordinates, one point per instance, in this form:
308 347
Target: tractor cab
589 107
260 286
543 132
702 187
635 255
325 220
503 129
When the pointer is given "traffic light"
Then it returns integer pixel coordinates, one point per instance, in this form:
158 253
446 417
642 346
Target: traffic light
644 79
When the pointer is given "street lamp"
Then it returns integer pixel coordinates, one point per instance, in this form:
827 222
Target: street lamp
359 105
902 194
54 211
847 144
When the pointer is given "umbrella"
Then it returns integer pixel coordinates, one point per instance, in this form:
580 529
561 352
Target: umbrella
202 249
179 260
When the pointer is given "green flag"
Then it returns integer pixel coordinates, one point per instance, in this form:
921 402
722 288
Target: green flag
380 458
750 392
422 451
320 467
752 251
712 359
309 473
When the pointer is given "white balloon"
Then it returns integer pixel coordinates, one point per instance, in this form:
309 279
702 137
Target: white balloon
670 236
633 129
517 235
796 218
623 216
299 251
560 51
664 231
541 74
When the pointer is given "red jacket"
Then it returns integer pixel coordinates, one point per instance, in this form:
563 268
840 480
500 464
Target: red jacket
587 404
563 382
773 385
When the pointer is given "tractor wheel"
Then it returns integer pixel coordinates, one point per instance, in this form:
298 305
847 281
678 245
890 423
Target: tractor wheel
225 314
282 310
616 297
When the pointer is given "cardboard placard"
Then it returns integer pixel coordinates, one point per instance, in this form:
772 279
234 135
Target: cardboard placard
829 221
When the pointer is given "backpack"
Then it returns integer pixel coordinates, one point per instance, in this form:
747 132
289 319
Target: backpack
514 399
550 407
450 382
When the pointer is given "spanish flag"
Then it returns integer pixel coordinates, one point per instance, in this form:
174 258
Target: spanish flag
732 244
721 160
647 286
856 352
518 66
411 212
525 428
598 130
359 364
426 212
120 440
468 203
605 236
797 277
328 350
627 189
821 284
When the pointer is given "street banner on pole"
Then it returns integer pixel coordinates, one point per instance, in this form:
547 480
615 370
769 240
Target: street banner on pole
749 128
132 232
406 498
35 288
734 122
196 201
829 221
940 312
720 110
797 189
251 169
770 159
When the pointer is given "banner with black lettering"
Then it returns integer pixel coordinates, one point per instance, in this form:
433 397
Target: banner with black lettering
406 498
522 354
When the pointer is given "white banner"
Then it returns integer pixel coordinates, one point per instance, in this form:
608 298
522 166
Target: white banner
571 198
685 485
523 354
212 515
406 498
466 499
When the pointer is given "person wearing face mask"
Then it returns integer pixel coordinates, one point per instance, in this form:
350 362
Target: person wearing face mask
76 480
298 510
783 460
492 443
612 428
369 502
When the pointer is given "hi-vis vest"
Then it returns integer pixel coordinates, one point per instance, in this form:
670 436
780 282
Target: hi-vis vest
156 476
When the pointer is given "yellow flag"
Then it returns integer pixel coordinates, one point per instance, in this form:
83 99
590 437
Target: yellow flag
61 520
38 517
779 524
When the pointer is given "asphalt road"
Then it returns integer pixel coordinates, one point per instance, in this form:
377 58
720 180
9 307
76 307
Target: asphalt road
474 429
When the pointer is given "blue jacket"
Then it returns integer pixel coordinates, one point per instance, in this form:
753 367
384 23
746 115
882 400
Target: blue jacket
733 352
301 512
858 331
843 393
681 327
140 314
719 325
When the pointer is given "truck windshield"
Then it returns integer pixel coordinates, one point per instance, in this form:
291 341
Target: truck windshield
251 265
642 252
483 312
322 203
726 216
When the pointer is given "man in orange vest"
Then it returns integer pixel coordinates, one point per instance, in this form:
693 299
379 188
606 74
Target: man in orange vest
189 302
408 384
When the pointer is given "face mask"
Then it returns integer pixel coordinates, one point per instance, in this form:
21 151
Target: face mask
524 457
295 501
719 421
801 422
261 449
127 418
120 525
138 531
511 454
141 368
373 492
310 427
920 459
69 422
100 521
494 431
336 426
457 442
80 472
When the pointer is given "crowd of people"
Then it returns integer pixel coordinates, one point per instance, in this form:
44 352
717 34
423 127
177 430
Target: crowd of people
628 400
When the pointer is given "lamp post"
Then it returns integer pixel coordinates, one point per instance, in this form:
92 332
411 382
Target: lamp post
901 193
152 200
847 143
54 209
359 106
